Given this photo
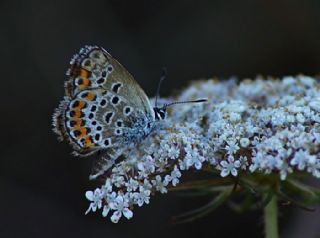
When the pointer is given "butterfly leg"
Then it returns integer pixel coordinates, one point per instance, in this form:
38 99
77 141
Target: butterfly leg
101 168
104 162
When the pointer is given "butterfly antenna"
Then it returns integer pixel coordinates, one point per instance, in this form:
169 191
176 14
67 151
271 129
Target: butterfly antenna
182 102
163 76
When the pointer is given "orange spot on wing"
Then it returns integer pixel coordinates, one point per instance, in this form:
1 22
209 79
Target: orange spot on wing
85 83
84 73
88 142
91 96
82 104
77 113
83 131
78 123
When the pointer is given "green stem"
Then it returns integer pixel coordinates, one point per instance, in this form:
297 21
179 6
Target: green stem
271 218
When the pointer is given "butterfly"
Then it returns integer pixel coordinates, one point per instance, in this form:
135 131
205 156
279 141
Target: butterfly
104 109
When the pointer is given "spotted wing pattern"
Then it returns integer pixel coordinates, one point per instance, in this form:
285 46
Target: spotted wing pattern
104 108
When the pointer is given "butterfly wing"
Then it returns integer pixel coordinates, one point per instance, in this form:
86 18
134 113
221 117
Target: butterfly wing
104 108
94 67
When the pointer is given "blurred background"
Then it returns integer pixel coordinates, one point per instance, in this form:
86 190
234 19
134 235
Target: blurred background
42 185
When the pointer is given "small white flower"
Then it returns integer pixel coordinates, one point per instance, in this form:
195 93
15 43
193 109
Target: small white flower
314 167
171 151
291 118
132 185
235 117
278 118
232 147
300 118
300 159
193 158
229 167
295 109
159 184
307 81
288 81
244 142
235 106
146 185
107 186
259 126
173 177
143 197
118 181
95 198
315 104
120 205
284 170
244 162
147 165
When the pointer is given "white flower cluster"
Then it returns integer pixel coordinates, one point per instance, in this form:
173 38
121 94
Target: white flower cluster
256 126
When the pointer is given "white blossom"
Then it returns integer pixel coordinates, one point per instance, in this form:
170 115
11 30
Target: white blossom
95 198
120 205
143 197
229 166
244 142
232 147
159 184
258 126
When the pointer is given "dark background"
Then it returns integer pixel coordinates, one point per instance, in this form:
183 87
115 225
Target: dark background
42 186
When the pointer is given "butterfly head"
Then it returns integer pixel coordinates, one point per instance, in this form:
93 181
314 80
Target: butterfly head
160 112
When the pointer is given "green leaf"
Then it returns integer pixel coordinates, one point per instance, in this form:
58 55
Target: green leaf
299 194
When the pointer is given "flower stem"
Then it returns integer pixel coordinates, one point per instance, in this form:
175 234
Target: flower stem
271 218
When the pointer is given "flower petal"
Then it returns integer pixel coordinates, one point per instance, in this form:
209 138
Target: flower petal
116 216
127 213
89 195
224 173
